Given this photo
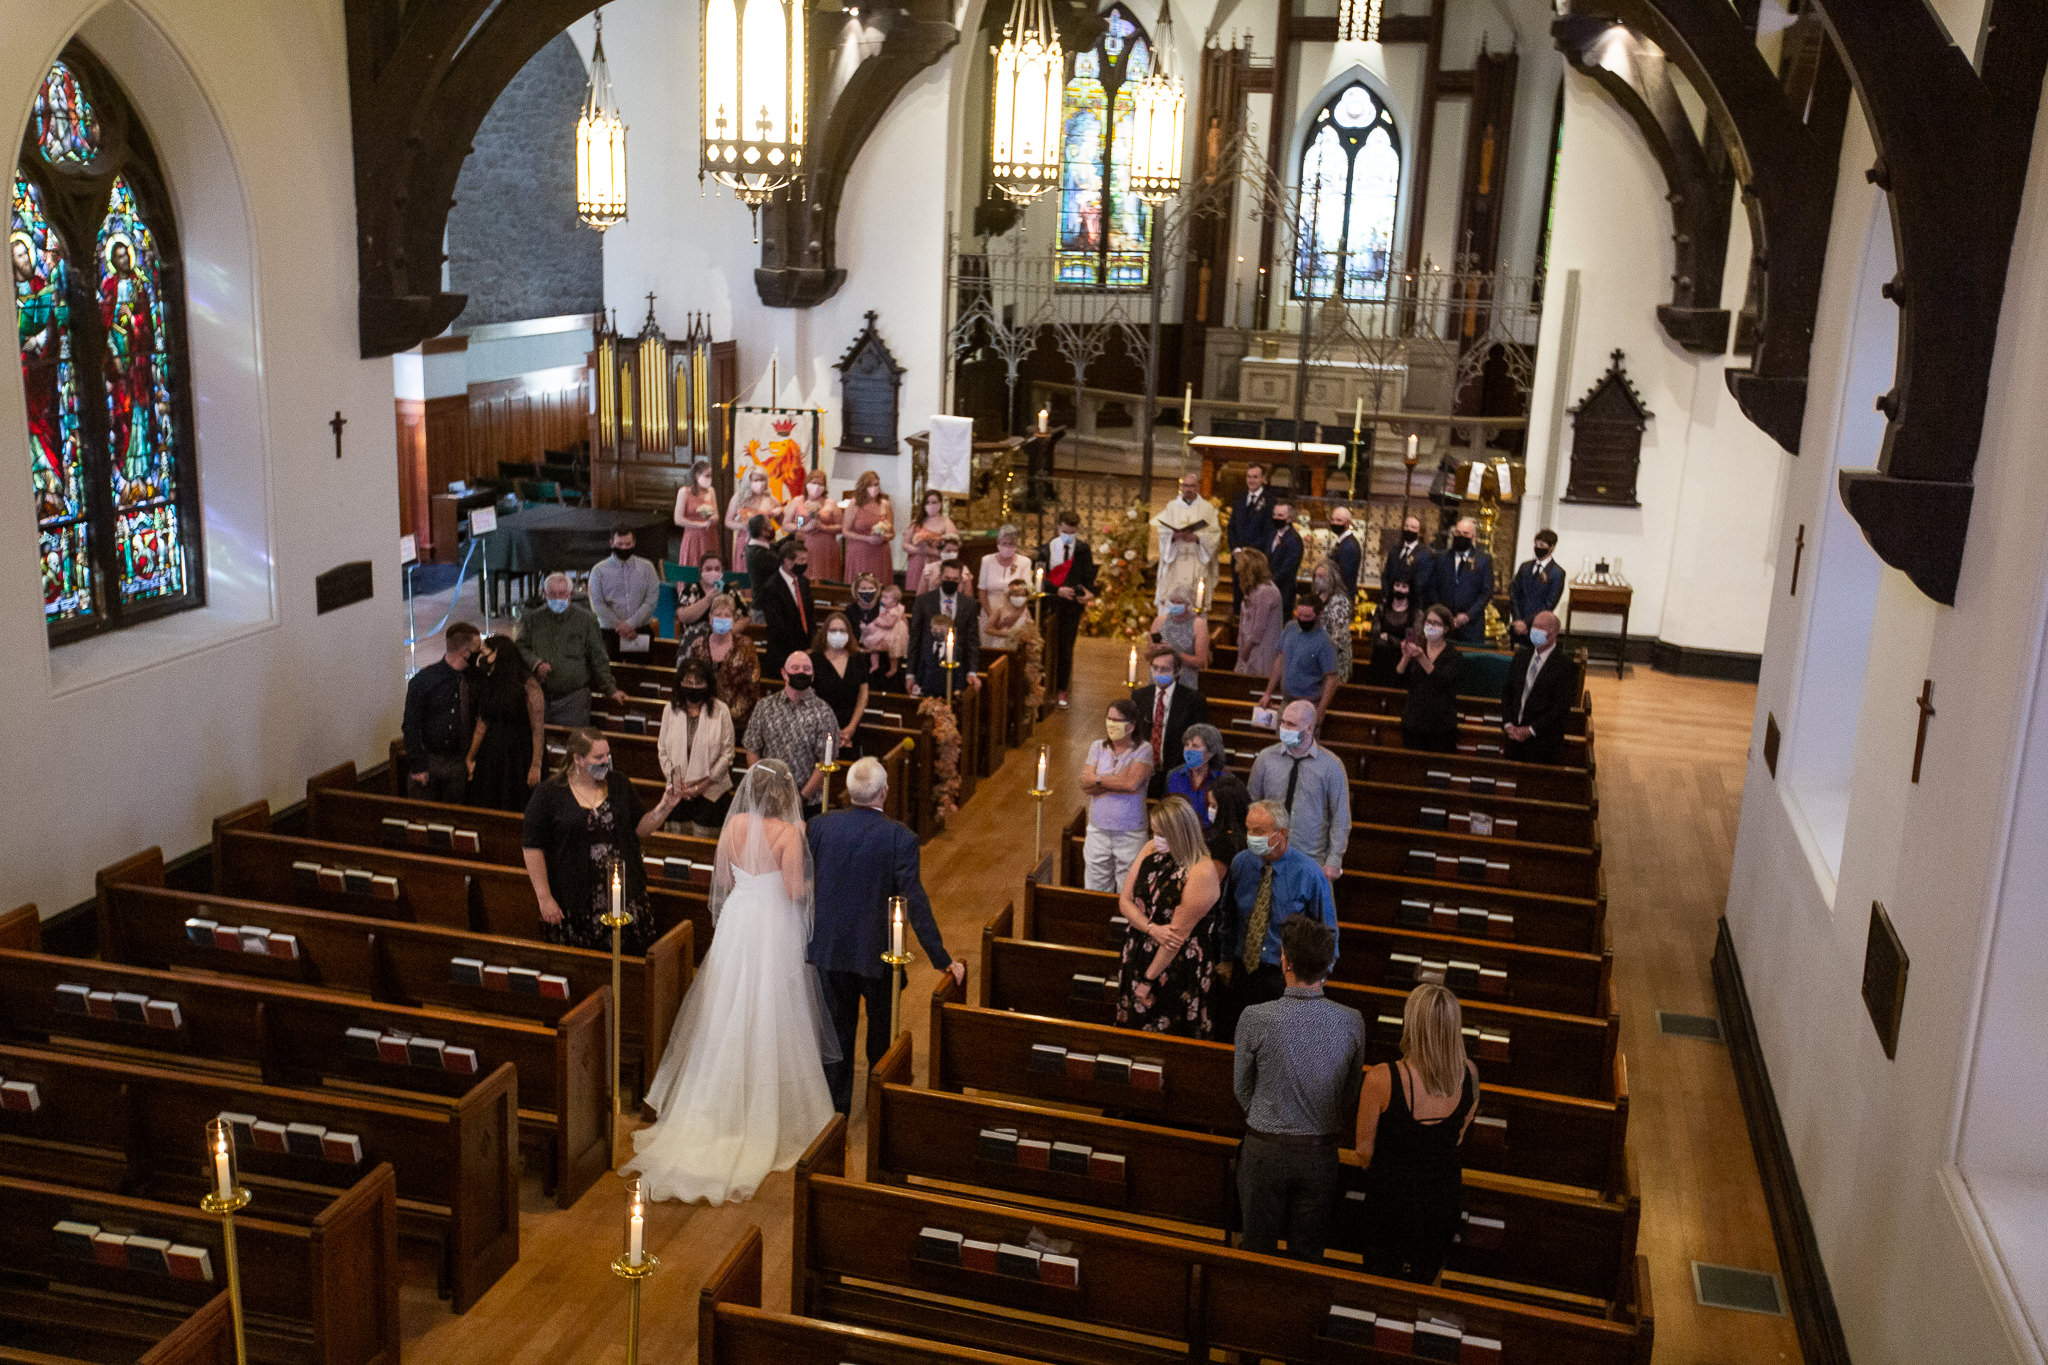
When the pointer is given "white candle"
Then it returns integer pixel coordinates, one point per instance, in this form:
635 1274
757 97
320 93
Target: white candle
896 926
636 1227
1131 672
1043 751
1044 420
223 1172
618 890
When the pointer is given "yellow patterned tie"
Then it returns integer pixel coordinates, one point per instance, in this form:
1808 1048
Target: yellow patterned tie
1262 918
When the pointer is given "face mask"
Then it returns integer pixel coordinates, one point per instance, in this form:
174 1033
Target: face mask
1117 729
1258 843
621 555
949 586
721 625
1409 537
1538 636
866 594
695 696
1291 738
558 604
1176 609
600 771
1461 543
1162 679
798 682
835 639
1194 758
1432 632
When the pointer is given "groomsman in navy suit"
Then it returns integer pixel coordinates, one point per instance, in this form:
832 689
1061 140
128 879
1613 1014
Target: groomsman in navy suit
1464 583
860 858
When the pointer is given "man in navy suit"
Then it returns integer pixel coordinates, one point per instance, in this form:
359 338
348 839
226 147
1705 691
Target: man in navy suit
860 858
1283 555
1464 584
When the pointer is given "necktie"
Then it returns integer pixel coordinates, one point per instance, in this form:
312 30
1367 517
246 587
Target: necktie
1261 920
1158 719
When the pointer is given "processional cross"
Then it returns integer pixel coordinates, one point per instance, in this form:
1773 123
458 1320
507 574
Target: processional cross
335 426
1925 701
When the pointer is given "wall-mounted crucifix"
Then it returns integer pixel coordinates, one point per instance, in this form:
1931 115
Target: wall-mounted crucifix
335 426
1925 701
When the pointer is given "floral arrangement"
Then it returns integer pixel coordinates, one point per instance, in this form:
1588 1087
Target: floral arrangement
1123 607
946 755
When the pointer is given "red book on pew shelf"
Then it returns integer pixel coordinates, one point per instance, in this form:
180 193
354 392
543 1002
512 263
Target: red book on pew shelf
162 1014
110 1248
345 1148
1479 1351
459 1060
20 1097
271 1137
978 1256
1062 1272
189 1263
1393 1336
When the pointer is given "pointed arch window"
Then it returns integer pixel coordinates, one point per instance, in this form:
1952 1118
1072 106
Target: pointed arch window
99 315
1105 228
1350 190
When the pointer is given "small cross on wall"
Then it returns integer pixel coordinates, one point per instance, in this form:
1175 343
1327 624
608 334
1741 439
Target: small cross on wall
335 426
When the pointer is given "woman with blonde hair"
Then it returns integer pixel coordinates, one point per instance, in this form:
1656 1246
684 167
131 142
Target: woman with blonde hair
1412 1117
1168 956
1258 612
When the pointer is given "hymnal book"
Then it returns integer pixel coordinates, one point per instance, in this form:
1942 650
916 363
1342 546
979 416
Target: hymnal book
1461 976
360 1042
147 1253
1434 1341
100 1005
1085 987
129 1005
391 1048
74 1239
1435 817
466 971
200 931
71 998
525 981
1471 920
358 880
1081 1066
1113 1069
1012 1259
1061 1272
1436 778
303 1139
1403 966
1493 1045
1443 919
394 830
1033 1154
1493 981
1479 1351
20 1097
306 876
1392 1336
110 1248
242 1127
1350 1324
1489 1131
270 1137
1500 924
189 1263
1070 1158
997 1144
1412 914
227 938
1472 869
1147 1076
497 978
467 841
979 1256
162 1014
554 987
1421 862
284 946
332 879
384 887
424 1052
459 1060
255 939
1483 1234
937 1244
1106 1166
440 836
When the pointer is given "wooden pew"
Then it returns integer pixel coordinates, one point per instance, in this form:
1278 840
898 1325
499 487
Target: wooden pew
1564 1054
119 1332
323 1289
1344 731
144 925
1535 1134
120 1124
295 1035
1139 1298
1368 699
1572 1244
1540 978
1413 768
733 1329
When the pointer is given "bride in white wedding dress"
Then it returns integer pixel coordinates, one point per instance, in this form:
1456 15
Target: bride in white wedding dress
741 1091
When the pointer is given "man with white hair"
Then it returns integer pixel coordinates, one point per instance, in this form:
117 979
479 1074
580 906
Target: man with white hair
861 858
567 648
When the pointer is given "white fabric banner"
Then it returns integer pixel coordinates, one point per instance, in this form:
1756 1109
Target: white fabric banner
952 454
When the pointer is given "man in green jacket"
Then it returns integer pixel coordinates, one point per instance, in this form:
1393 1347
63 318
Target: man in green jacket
567 649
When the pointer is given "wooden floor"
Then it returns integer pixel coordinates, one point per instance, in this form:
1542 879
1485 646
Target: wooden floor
1671 759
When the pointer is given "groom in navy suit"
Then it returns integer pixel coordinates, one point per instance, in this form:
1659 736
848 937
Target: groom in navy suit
860 858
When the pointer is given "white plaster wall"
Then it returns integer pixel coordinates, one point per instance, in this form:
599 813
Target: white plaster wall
144 737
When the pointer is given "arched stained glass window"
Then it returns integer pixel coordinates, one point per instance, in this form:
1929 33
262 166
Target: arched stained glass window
1105 229
99 320
1350 188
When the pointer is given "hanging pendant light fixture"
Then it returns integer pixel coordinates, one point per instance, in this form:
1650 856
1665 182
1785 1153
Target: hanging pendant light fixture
1159 106
1358 21
600 147
753 96
1031 74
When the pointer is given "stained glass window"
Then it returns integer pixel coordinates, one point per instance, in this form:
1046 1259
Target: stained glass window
1350 188
1105 229
98 322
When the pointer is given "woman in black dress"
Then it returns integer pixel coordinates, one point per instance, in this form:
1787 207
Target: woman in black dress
841 667
511 711
1430 667
1412 1117
1169 948
581 822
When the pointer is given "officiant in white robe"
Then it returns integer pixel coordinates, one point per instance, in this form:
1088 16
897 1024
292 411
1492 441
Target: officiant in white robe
1190 533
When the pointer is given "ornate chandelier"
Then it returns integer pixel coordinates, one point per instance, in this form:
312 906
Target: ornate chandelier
1031 73
1159 106
600 147
753 107
1358 21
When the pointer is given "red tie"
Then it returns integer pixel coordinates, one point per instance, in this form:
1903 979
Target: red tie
1158 721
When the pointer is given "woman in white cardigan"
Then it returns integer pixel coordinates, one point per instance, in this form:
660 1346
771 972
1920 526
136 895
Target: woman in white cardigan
696 747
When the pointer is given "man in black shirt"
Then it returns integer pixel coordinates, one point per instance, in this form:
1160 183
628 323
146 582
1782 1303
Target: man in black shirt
438 719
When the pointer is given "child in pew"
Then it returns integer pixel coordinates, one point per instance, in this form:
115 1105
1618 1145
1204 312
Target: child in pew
887 640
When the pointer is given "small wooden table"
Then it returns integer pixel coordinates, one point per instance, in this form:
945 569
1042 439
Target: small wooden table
1217 451
1601 599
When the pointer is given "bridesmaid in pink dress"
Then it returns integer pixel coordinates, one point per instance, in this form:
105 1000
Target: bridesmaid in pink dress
921 541
870 526
821 520
697 514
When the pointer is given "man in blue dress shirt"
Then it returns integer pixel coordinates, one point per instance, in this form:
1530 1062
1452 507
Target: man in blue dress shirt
1268 884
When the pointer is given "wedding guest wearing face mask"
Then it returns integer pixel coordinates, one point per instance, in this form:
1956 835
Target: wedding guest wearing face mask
1206 783
577 823
1305 665
1114 779
1430 667
505 751
1167 706
1538 696
1538 586
1180 628
697 514
1069 586
1268 884
735 663
795 725
818 518
1412 562
841 670
623 590
1310 784
1259 621
693 602
567 649
950 600
1283 555
695 748
1464 583
440 709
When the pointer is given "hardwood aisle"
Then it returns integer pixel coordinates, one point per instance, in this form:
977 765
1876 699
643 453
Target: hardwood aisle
1671 754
